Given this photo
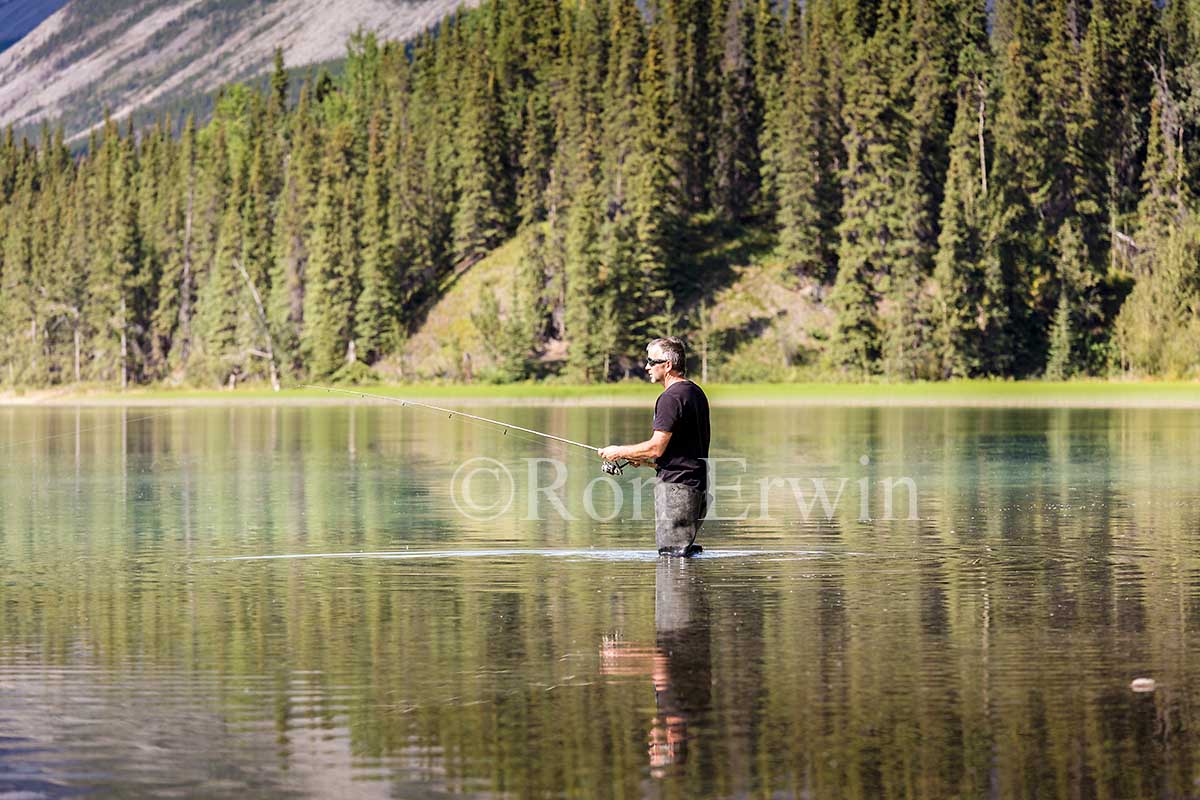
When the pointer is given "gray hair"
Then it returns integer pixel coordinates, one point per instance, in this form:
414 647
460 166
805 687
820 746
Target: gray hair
673 350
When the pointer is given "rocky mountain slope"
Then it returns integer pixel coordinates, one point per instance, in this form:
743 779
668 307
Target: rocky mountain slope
127 54
19 17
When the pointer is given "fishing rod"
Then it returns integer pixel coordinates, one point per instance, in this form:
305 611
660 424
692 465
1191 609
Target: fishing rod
609 467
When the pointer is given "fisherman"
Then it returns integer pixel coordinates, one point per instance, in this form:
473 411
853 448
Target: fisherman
678 446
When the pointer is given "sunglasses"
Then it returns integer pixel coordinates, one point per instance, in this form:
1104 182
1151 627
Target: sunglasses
654 362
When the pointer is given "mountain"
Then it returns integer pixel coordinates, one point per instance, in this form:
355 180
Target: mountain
19 17
125 55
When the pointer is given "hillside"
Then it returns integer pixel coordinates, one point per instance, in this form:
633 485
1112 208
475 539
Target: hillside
19 17
758 320
127 54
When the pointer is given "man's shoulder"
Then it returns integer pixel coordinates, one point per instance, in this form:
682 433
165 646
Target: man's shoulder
687 387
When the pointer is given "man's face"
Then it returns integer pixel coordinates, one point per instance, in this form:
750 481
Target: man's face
657 365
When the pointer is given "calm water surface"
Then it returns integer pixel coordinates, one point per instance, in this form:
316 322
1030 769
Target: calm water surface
289 601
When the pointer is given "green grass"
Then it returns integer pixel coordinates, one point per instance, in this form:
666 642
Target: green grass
956 393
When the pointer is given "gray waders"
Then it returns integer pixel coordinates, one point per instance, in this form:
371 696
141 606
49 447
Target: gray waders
678 514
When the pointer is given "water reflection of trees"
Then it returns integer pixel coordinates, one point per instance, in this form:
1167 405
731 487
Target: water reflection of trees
987 650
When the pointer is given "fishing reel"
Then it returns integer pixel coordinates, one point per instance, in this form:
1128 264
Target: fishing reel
614 467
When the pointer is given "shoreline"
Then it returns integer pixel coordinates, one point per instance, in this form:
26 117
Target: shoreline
958 394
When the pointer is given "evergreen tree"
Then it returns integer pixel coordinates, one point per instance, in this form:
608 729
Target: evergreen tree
17 322
1076 320
799 164
537 147
769 70
409 251
171 322
1016 255
1060 363
255 261
656 209
1073 196
1122 40
331 276
684 29
942 31
967 313
1158 328
73 260
1073 177
582 279
576 193
736 155
278 99
293 231
873 254
375 322
620 118
218 356
114 274
1165 196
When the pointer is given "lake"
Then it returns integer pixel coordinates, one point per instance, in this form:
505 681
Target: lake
377 601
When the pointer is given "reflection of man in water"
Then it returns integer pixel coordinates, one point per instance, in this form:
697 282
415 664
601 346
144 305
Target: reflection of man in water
680 664
678 445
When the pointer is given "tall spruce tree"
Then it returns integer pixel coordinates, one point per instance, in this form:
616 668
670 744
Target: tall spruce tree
739 114
1122 41
656 205
1072 200
331 276
114 273
689 69
1165 196
620 143
481 219
968 312
1016 255
218 354
769 68
576 228
873 249
17 321
376 317
293 231
801 160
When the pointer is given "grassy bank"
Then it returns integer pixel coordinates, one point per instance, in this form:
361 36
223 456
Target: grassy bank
998 394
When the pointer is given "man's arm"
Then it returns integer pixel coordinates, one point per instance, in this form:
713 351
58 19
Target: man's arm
648 450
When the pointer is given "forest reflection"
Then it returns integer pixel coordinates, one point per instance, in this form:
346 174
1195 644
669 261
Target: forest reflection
986 649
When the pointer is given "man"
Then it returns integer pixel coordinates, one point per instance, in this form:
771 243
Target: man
678 447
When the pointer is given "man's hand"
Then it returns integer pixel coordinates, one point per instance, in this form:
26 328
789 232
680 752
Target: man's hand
638 455
611 453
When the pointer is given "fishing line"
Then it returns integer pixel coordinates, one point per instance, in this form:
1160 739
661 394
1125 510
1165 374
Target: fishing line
11 445
609 467
558 446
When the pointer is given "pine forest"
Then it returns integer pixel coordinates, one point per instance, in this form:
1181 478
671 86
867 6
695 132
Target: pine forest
963 188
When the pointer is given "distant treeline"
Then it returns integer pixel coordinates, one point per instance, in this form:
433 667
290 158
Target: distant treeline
1010 195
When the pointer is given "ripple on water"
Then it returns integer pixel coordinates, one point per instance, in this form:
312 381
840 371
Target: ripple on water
589 554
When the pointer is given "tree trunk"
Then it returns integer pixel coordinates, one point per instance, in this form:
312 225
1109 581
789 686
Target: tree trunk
982 152
124 349
262 318
185 282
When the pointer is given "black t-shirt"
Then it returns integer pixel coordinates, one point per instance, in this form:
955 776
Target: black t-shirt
682 411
